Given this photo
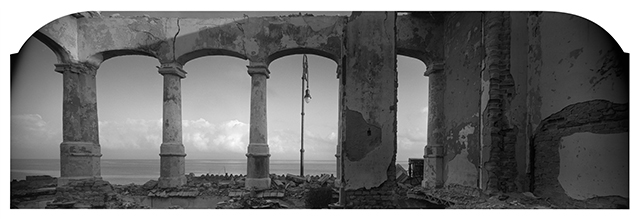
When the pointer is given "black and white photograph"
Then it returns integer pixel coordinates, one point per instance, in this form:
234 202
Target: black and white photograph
340 110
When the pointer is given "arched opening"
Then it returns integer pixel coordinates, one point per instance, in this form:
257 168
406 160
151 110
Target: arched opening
215 114
320 119
413 98
36 111
61 54
129 96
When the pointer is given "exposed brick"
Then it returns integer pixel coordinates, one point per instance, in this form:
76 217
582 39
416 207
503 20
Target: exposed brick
588 117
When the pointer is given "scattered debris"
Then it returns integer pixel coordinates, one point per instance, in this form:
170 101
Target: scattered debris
287 191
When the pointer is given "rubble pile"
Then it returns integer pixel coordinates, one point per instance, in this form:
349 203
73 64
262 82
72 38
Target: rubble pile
84 194
286 191
32 190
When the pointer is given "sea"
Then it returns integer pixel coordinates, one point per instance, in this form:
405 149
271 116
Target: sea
139 171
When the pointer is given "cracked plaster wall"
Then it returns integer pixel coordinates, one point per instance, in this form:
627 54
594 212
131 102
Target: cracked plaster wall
420 35
369 103
594 165
260 39
577 84
63 33
572 60
463 54
101 38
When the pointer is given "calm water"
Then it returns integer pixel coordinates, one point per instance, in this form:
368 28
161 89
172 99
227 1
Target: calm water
141 171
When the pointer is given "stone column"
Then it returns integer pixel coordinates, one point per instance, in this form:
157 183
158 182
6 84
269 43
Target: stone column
258 150
80 147
172 151
434 151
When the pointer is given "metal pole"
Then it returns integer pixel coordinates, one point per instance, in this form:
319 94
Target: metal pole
302 127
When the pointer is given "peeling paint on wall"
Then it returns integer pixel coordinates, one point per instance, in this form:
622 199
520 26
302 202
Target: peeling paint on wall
594 165
369 102
460 170
581 62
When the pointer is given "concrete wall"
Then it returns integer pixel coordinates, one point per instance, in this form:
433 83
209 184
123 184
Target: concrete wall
594 165
262 39
368 109
420 35
61 37
463 60
101 38
577 86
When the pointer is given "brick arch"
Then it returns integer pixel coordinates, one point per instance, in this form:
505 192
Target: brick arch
61 53
183 59
594 116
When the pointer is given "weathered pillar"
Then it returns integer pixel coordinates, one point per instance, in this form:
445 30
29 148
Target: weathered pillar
80 147
434 151
368 111
172 151
258 150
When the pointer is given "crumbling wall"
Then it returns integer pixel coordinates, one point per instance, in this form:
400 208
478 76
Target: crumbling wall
101 38
463 60
369 108
261 39
420 35
500 107
577 85
61 36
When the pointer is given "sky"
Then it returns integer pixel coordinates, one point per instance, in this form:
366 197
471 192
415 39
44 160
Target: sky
215 105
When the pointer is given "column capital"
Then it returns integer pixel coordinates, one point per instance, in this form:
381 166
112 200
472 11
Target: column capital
258 68
172 68
77 68
434 68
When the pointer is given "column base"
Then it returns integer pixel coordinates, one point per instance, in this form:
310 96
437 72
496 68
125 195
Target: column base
172 165
433 167
62 181
79 160
171 182
258 183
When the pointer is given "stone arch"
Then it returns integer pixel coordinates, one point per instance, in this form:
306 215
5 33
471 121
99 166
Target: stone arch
61 53
183 59
301 50
416 54
421 35
424 62
102 56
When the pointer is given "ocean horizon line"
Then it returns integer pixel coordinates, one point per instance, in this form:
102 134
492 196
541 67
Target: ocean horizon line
159 159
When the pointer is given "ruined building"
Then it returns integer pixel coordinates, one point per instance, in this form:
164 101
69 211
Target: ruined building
519 101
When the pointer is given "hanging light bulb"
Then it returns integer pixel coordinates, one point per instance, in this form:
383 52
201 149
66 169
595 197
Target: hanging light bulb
307 96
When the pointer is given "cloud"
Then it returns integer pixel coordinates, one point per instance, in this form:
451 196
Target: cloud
130 134
412 138
230 136
285 144
33 137
197 135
